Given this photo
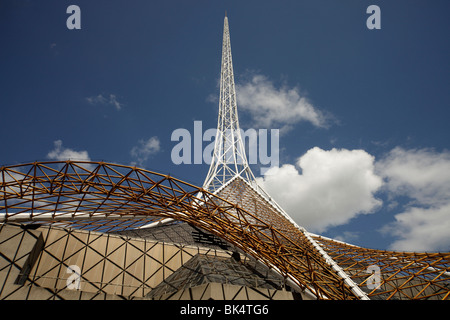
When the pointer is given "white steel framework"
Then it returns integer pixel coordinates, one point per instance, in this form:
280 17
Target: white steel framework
229 159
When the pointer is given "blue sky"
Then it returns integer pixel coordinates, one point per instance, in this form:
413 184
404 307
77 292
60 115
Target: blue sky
116 89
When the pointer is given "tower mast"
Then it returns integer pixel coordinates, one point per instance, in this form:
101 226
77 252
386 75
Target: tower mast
229 159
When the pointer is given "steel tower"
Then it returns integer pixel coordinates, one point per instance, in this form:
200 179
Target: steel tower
229 167
229 159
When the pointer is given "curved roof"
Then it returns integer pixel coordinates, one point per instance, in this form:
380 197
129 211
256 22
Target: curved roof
109 197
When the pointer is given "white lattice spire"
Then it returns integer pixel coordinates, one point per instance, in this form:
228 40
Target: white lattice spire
229 159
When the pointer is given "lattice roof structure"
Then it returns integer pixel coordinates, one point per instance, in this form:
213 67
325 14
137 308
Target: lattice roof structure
112 198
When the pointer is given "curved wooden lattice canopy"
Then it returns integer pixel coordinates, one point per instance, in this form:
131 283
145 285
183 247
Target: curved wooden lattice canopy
402 275
109 197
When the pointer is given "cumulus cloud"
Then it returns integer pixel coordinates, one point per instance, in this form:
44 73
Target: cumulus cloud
276 107
59 153
331 188
108 99
145 149
423 177
422 174
421 229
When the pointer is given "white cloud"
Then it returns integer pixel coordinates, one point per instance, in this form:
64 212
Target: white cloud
333 187
423 177
329 188
348 236
59 153
421 229
109 99
145 149
271 107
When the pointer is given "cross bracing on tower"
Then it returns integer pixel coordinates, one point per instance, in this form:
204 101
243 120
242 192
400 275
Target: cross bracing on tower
229 159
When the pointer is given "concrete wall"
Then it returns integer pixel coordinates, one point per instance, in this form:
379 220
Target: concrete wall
109 264
35 264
